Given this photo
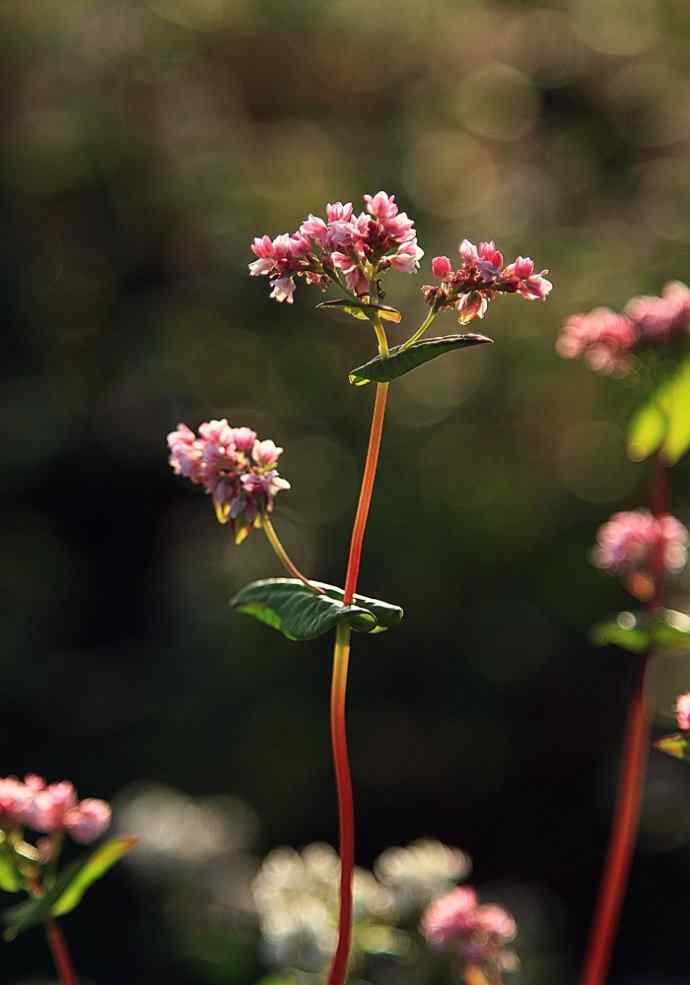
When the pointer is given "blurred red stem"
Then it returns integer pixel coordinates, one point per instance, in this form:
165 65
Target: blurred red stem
58 947
346 821
631 778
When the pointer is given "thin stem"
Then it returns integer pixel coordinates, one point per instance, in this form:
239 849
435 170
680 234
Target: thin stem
284 557
420 331
346 823
61 957
631 778
341 657
365 493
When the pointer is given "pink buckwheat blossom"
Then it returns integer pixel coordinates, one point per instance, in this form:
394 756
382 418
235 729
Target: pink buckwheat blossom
51 807
237 470
608 340
345 248
602 337
88 820
477 934
479 278
683 711
629 543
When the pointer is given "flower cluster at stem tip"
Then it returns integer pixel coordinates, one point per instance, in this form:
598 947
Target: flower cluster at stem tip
630 542
236 469
51 808
353 251
608 341
479 278
476 933
355 247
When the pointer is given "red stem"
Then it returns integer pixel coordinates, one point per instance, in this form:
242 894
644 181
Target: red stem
61 956
631 777
346 819
365 493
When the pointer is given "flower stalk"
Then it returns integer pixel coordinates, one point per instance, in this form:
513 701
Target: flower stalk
284 557
61 955
632 771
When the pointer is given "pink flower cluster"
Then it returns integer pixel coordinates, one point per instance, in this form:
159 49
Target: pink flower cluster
478 934
683 712
480 276
629 543
356 248
608 340
51 807
235 468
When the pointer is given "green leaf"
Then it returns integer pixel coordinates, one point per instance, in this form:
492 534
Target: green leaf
95 866
663 422
39 909
383 369
287 605
629 631
68 888
10 877
676 745
670 630
362 311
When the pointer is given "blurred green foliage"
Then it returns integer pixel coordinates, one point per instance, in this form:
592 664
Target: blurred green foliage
144 143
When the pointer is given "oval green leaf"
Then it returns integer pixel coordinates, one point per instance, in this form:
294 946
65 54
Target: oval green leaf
674 745
663 422
361 310
287 605
383 369
670 630
95 866
628 630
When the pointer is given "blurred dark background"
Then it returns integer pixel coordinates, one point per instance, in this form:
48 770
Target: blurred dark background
144 143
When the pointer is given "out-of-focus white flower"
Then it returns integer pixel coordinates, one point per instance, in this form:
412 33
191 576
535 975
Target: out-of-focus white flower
418 873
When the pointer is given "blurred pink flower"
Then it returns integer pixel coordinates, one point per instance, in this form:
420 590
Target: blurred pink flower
478 935
47 808
660 320
235 468
628 543
683 711
88 820
602 337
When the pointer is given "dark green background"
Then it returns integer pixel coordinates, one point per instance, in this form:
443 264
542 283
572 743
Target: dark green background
144 143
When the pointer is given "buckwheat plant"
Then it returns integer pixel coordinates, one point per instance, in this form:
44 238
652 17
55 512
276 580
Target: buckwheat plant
648 345
54 812
352 253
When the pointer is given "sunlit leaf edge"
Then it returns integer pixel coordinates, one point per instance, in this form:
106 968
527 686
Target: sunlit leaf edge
399 361
287 605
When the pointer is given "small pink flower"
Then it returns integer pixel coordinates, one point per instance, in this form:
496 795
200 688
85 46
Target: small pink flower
471 306
449 916
266 453
337 212
381 205
494 920
629 542
47 809
683 711
406 259
243 439
14 799
88 820
283 289
441 267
